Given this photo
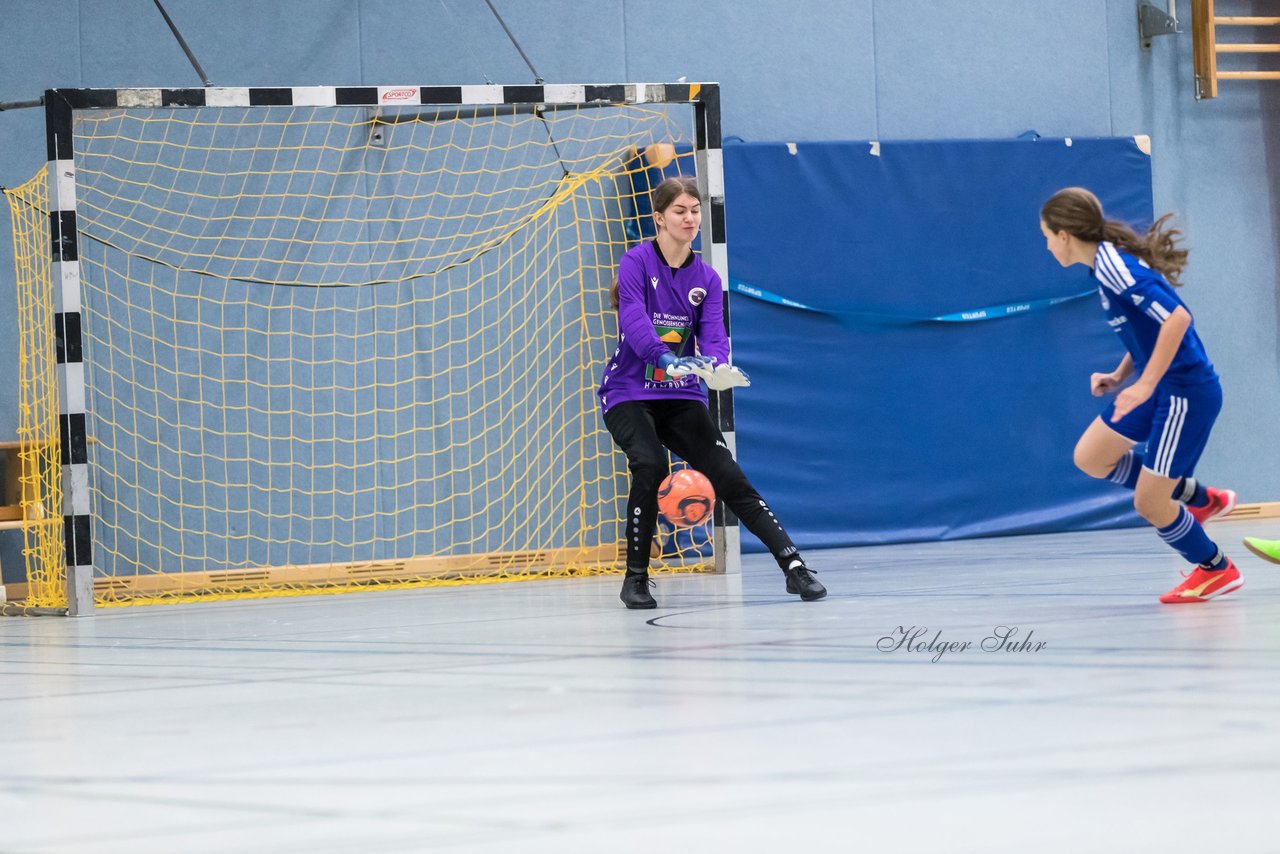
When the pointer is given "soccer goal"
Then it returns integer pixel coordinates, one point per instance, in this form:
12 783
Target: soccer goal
297 340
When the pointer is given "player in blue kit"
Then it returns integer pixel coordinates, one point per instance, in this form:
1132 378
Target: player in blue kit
1172 404
671 334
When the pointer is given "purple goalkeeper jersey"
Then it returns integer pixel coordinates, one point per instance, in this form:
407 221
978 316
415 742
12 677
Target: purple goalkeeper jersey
662 309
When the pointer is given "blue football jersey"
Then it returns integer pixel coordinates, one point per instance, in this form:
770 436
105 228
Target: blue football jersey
1137 301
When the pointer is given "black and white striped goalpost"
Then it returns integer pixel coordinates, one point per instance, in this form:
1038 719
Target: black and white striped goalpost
69 349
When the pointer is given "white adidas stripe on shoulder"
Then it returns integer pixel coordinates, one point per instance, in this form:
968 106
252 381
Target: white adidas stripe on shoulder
1111 269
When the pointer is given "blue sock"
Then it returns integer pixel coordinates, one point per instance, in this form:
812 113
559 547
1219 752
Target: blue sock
1187 537
1188 491
1191 492
1127 470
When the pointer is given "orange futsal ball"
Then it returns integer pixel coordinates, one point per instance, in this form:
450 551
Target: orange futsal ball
659 154
686 498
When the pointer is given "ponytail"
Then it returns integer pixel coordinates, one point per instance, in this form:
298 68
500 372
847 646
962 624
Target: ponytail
1159 248
1078 212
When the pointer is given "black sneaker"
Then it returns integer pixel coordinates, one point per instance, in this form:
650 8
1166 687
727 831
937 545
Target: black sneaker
635 591
800 580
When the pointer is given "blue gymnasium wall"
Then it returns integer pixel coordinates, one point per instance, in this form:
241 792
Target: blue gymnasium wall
909 428
801 71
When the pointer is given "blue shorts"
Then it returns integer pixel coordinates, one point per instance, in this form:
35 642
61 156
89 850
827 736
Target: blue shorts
1175 423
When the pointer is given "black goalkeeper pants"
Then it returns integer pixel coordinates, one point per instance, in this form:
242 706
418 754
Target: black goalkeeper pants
644 429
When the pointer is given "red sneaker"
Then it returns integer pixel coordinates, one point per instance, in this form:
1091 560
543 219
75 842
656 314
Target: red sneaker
1221 502
1202 585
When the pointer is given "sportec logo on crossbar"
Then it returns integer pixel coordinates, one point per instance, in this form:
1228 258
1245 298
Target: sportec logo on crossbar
916 639
407 93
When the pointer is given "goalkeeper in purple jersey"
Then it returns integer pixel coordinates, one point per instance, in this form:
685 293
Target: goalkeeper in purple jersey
671 339
1175 398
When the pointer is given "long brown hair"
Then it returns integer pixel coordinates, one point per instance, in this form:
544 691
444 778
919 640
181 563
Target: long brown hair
1078 212
663 196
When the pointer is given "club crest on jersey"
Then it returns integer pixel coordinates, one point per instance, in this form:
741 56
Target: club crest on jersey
697 295
653 280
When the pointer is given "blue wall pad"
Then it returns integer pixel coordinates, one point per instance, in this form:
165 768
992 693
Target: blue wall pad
937 377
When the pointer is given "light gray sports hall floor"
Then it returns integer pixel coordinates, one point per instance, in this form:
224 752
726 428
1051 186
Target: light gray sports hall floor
544 717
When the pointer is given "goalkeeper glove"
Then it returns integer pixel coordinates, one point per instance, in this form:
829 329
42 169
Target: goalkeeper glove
724 377
681 366
717 377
